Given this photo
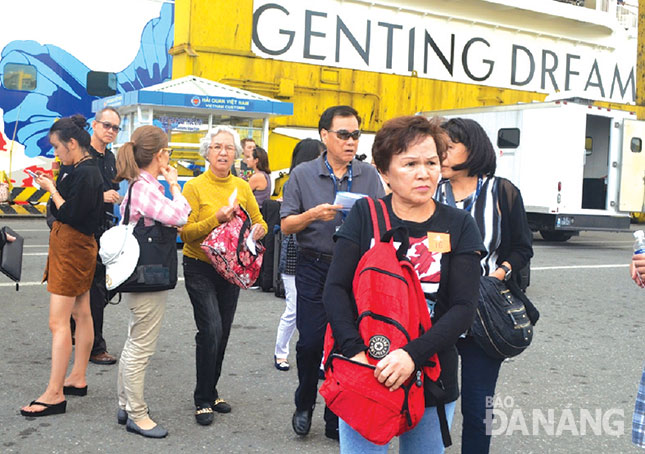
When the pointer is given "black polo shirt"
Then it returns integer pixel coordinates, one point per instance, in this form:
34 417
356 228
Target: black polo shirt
106 163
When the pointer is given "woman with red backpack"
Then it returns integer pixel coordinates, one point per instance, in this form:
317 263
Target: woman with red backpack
444 249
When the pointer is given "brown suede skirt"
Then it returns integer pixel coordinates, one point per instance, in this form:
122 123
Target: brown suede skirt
71 261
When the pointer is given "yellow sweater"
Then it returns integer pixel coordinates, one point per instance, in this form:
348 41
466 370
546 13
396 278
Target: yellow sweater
206 194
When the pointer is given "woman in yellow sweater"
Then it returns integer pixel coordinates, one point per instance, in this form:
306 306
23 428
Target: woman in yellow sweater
213 298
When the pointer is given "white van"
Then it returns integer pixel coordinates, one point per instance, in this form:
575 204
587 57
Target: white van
579 167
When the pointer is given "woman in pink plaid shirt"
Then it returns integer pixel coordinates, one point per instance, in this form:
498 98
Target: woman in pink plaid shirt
142 160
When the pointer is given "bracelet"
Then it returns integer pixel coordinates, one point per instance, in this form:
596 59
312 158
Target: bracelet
53 193
175 184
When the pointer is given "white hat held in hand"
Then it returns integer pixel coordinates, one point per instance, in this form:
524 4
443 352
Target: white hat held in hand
119 251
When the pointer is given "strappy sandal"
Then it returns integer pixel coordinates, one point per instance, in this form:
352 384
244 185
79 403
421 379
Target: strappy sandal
50 409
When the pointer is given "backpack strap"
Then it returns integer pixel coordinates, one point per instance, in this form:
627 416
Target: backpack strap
439 394
386 216
374 216
379 217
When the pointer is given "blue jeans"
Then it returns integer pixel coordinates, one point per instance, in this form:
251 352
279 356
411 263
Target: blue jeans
214 301
479 374
424 438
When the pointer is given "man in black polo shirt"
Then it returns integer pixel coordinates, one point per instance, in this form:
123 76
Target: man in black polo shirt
105 129
308 211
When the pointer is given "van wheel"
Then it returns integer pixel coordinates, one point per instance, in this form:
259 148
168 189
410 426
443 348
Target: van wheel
553 235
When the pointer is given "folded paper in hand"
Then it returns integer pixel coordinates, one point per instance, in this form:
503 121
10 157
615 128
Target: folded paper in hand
347 199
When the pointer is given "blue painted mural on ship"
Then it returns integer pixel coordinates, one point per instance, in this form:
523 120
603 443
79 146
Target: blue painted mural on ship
61 88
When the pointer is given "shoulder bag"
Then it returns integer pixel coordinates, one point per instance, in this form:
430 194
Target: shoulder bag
227 251
504 320
156 268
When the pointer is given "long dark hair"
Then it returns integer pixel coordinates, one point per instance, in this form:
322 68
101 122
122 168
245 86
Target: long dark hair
306 150
263 159
74 127
482 159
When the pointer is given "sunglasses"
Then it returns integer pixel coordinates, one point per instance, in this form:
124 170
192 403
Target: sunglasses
344 134
108 125
169 150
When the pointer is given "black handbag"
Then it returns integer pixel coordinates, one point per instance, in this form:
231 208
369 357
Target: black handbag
504 320
11 255
156 268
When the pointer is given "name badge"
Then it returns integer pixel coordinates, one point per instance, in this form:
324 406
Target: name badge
438 242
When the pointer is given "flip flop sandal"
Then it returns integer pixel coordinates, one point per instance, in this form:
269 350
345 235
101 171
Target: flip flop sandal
50 409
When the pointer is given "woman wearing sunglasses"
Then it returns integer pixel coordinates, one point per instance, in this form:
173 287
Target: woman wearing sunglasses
141 161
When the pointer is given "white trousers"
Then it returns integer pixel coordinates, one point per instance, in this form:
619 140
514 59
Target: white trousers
287 324
146 314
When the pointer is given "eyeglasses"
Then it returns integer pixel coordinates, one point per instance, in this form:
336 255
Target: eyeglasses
108 125
219 147
169 150
344 134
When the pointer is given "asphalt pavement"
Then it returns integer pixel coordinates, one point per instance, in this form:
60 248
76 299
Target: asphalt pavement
572 391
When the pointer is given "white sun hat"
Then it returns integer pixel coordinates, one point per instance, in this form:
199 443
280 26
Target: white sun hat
119 251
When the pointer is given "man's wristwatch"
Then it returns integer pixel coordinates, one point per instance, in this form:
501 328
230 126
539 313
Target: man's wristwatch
507 270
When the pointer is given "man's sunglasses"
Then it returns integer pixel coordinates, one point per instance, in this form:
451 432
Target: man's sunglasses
168 149
344 134
108 125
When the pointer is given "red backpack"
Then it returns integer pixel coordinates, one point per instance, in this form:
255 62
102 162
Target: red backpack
392 311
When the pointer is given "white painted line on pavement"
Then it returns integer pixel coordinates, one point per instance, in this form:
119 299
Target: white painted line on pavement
35 253
576 267
33 283
35 245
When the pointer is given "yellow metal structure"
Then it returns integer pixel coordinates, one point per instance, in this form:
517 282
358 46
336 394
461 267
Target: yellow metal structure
208 46
225 56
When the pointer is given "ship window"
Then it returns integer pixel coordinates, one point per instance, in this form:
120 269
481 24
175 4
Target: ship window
636 145
508 138
100 83
19 77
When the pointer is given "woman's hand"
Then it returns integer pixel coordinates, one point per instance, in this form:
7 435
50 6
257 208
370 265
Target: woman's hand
225 213
637 270
360 357
500 273
170 174
45 182
10 238
258 232
394 369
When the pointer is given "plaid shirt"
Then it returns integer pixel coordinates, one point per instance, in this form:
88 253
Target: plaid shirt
638 423
149 201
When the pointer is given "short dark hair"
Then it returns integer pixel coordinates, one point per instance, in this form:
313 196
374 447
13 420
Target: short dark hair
100 113
247 139
74 127
399 133
263 159
328 115
306 150
482 159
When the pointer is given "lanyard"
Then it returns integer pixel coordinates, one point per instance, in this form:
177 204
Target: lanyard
350 176
474 199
